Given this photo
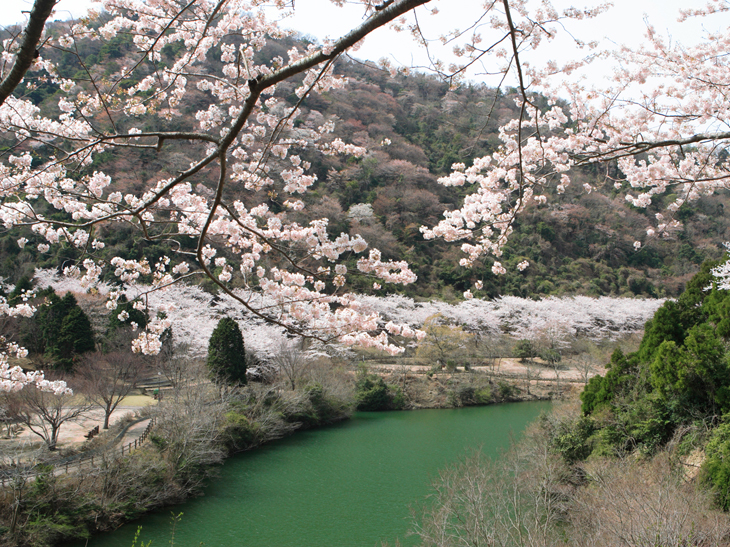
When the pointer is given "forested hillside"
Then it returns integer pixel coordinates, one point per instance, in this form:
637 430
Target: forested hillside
415 127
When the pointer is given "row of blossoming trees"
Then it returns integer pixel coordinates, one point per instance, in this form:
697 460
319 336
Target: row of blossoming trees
193 314
664 136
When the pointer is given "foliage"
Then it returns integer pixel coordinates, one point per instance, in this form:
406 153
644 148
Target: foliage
443 342
372 393
716 467
524 350
226 353
470 395
124 207
124 314
679 375
65 330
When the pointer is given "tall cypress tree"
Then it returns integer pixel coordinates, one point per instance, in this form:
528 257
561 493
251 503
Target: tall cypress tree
226 353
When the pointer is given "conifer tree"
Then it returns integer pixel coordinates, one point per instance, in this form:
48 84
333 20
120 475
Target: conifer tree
65 330
75 337
226 353
23 284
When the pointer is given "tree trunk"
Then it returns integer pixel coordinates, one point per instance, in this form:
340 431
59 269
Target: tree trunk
53 440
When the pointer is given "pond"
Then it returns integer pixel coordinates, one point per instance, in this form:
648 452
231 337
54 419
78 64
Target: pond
349 485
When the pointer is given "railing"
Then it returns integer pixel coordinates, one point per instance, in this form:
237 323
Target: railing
6 475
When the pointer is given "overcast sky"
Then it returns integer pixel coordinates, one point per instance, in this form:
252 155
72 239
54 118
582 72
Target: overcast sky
623 24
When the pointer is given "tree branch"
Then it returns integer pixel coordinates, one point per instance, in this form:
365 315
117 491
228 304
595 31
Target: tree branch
31 38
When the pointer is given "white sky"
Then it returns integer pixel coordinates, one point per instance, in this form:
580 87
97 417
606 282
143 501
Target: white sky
623 24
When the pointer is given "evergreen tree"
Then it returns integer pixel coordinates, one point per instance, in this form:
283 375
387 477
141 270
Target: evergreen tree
75 337
226 353
65 330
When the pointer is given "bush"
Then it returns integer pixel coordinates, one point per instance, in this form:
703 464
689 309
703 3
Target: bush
716 467
483 396
571 439
506 391
319 407
372 393
238 432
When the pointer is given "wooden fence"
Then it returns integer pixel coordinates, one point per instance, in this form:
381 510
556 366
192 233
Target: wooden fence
6 475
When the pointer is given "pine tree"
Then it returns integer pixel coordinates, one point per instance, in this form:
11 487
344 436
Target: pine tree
226 353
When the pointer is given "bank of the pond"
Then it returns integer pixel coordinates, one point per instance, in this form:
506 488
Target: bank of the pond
350 484
193 436
463 389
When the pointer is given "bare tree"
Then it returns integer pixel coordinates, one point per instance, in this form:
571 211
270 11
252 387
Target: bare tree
19 468
44 413
532 372
108 378
291 361
191 425
587 366
180 369
514 501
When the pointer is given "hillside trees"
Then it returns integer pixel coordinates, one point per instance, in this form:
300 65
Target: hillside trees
241 232
646 396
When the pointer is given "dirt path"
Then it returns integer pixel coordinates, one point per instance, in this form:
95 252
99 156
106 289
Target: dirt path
73 432
507 367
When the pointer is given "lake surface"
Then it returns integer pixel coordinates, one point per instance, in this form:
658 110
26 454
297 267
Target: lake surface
349 485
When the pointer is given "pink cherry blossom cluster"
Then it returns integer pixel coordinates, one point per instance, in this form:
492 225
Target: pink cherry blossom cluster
13 378
594 318
661 121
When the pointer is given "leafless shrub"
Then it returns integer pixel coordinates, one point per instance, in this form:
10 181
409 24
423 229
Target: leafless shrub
630 502
291 361
180 369
188 430
514 501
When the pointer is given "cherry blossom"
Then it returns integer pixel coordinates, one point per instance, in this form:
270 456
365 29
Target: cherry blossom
660 121
13 378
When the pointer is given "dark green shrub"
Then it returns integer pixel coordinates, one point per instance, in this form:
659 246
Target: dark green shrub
470 396
238 431
571 439
506 390
524 350
398 399
483 396
158 441
372 393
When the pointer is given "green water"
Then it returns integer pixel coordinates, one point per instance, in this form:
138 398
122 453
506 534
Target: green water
350 485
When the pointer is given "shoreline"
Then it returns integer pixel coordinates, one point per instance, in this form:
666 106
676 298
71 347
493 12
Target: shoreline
437 391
